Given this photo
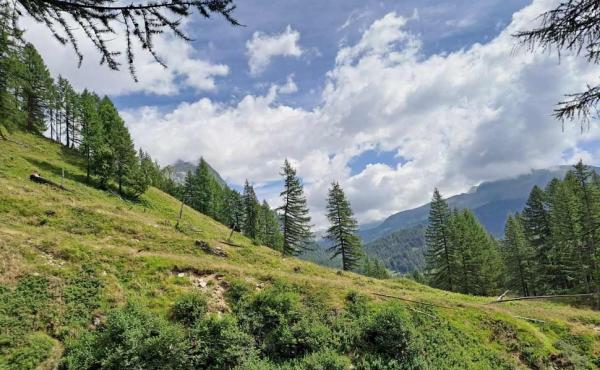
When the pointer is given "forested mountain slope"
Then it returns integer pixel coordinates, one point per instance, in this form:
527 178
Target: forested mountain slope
91 280
491 202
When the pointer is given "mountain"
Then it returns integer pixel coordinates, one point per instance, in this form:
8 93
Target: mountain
90 280
491 201
399 240
401 251
181 168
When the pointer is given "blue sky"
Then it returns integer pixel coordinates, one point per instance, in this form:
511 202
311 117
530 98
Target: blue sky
390 98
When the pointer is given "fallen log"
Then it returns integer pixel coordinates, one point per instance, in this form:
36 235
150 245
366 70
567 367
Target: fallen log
35 177
544 297
411 300
215 251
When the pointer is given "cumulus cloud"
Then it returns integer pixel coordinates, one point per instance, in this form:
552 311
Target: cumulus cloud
457 119
261 48
184 69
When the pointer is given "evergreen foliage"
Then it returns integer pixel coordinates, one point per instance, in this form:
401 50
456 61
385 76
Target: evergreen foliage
294 213
440 256
343 230
251 211
518 257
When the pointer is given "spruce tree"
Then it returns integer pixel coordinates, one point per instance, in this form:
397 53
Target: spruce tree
518 257
589 219
537 231
476 253
295 219
343 229
440 257
250 211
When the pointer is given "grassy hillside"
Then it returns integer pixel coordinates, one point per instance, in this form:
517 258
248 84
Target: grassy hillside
70 258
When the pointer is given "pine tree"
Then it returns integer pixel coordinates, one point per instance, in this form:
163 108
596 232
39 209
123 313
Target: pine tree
250 211
35 85
343 230
439 256
518 257
294 213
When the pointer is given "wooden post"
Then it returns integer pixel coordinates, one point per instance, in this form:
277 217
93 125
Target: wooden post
62 179
180 213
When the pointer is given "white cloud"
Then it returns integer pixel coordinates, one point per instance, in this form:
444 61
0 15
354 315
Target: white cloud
476 114
184 69
261 48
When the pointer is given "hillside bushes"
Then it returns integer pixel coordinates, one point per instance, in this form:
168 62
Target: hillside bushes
277 328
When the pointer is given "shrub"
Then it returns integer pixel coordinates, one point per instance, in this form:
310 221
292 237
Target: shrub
389 333
36 349
291 340
189 308
324 360
131 339
357 304
268 309
218 343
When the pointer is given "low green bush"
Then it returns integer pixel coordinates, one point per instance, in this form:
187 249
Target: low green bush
131 338
219 343
189 308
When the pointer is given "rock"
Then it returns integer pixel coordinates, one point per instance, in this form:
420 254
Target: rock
181 274
203 283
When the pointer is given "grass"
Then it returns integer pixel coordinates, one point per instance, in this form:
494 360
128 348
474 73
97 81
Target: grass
69 257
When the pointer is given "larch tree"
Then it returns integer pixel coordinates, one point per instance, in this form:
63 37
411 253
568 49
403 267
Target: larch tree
102 21
440 256
571 27
295 219
251 211
91 129
343 229
35 86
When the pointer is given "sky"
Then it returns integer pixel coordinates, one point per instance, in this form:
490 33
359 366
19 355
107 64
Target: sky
391 99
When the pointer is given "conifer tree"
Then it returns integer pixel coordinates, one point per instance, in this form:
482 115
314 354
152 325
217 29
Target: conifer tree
269 228
537 231
476 253
119 141
589 219
343 229
295 219
439 256
234 210
203 196
91 130
250 211
35 85
518 257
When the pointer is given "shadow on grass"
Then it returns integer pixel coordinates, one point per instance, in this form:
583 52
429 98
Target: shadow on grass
44 166
111 189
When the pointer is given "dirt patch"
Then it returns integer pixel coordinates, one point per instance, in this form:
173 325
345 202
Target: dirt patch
210 283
